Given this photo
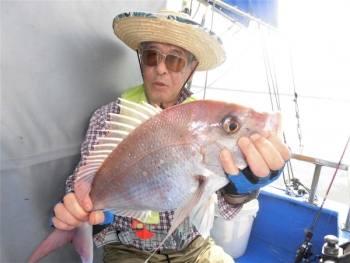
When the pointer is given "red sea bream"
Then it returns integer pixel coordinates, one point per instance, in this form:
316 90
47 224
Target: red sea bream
153 160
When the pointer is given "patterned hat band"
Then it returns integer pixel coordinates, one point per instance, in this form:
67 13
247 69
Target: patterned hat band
173 28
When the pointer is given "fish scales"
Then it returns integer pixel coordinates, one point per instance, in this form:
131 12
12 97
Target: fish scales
168 162
196 134
157 150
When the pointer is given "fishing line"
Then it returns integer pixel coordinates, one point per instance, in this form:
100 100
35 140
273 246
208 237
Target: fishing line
301 146
196 10
274 70
269 74
303 248
330 185
269 77
227 30
266 71
238 58
246 47
190 11
234 62
211 28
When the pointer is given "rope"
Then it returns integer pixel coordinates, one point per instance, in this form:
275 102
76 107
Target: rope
301 146
196 10
291 183
272 83
234 62
269 74
211 28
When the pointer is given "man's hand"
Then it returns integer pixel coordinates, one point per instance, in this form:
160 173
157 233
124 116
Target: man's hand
264 153
70 214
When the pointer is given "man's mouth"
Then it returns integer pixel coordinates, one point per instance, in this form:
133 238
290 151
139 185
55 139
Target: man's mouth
159 85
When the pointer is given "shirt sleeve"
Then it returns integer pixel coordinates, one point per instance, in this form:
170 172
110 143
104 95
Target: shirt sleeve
95 130
229 211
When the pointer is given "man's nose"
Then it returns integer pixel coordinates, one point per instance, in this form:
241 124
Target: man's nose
161 67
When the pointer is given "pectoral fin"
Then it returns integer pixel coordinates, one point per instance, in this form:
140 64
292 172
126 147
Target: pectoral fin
202 216
185 208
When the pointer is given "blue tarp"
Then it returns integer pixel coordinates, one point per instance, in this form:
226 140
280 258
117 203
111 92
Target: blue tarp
265 10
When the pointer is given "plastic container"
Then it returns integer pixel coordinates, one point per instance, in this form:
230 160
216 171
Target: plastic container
233 236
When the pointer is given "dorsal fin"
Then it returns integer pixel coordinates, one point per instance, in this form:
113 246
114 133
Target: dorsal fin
114 125
120 125
145 108
108 141
106 146
124 119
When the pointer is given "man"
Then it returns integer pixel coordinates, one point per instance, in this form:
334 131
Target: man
170 47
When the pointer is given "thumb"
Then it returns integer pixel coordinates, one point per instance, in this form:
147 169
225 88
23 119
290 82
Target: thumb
228 162
96 217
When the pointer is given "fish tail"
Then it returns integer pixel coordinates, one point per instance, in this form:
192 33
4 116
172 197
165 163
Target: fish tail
80 237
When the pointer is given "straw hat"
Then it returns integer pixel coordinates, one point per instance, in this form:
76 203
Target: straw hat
172 28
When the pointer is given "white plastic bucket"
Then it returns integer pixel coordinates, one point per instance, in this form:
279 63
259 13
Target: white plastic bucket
233 235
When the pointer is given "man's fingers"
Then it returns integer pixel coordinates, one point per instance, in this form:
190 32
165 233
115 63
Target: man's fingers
85 202
63 216
228 162
281 147
64 220
70 214
61 225
71 203
254 159
264 152
269 153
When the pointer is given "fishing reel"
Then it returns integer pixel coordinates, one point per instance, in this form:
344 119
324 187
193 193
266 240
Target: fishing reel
304 253
331 252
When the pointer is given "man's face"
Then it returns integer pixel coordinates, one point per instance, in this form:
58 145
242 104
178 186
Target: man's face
162 85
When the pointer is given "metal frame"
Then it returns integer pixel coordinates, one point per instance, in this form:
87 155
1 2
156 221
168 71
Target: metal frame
318 165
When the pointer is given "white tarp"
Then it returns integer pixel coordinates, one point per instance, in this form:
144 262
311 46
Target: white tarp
60 61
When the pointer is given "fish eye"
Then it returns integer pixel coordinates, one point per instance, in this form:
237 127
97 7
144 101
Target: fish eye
231 124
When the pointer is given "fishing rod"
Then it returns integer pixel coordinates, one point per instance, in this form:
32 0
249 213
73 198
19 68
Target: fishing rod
303 249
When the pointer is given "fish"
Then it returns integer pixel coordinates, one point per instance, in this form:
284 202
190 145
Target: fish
161 160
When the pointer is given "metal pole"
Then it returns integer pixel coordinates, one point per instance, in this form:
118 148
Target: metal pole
346 225
237 11
314 184
304 247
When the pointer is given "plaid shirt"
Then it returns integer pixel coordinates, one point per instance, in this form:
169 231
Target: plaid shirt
95 131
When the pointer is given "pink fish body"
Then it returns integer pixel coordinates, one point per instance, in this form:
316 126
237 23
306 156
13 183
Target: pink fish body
154 160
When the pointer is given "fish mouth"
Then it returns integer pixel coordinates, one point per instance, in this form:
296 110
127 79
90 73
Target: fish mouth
275 124
279 128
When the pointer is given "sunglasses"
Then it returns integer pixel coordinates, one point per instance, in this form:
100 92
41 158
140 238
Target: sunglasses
152 57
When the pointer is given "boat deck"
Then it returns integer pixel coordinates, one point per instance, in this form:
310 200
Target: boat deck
281 224
259 251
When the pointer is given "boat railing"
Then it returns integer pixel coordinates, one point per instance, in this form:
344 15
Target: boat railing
318 165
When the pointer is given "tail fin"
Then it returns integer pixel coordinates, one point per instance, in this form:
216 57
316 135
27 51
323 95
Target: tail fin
80 237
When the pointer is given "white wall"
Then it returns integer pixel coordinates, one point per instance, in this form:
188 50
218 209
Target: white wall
60 61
